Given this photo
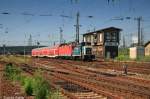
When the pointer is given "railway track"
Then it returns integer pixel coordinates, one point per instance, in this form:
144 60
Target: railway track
92 89
116 86
76 91
120 85
133 67
94 71
142 67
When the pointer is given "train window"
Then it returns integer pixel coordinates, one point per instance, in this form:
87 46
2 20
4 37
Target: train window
88 51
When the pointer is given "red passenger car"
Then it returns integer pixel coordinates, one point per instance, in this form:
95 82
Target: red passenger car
53 51
65 50
35 52
45 52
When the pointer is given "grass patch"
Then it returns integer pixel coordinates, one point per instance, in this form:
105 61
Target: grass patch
16 59
138 59
143 59
33 86
12 72
55 94
123 55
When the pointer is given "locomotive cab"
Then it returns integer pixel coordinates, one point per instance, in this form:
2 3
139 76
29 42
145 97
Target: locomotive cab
83 51
87 53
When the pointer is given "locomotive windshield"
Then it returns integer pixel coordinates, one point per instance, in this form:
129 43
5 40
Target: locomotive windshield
88 50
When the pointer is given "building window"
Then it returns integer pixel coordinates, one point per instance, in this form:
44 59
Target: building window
113 36
108 36
84 39
92 39
89 39
95 38
100 37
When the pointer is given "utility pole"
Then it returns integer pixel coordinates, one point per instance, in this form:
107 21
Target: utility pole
139 19
142 37
24 48
77 28
124 42
4 49
30 40
38 43
61 35
54 43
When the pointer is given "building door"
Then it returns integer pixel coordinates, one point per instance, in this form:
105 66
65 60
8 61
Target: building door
108 54
111 51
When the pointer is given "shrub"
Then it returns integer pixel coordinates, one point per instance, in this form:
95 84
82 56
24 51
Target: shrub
41 87
123 51
43 91
28 86
8 70
123 58
12 72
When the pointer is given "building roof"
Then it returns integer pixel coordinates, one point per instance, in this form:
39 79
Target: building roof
104 29
147 43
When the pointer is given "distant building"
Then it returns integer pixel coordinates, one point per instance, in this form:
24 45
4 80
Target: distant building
147 48
17 49
104 42
136 52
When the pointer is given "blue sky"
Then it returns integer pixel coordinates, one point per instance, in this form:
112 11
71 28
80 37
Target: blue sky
15 28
